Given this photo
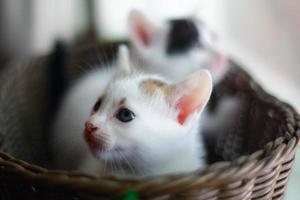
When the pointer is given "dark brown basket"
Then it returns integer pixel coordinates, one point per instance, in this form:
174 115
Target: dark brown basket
255 156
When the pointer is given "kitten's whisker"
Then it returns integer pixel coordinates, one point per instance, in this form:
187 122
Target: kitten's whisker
105 162
138 159
128 163
81 68
105 60
111 168
85 66
119 163
114 166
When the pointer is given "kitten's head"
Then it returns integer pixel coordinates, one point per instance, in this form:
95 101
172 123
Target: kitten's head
175 48
142 119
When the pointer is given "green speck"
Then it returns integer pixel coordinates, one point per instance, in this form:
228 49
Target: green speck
131 195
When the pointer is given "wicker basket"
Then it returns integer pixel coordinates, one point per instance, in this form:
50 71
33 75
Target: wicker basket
254 157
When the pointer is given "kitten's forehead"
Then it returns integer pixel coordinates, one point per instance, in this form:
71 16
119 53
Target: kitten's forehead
152 86
135 85
125 85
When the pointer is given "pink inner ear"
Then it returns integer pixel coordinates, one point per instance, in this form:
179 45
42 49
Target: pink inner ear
143 35
187 105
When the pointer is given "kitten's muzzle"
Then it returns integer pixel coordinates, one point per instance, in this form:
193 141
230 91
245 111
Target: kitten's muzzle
95 141
90 128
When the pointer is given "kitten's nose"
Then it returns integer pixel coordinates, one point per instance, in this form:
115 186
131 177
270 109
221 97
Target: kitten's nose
89 127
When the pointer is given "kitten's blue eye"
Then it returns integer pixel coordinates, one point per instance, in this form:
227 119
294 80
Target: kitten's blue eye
125 115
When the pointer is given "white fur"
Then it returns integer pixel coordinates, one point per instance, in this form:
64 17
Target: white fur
154 143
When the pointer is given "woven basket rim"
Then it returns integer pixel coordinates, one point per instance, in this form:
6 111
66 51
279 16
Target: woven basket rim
214 175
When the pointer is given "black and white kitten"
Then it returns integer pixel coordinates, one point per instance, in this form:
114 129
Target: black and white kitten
175 48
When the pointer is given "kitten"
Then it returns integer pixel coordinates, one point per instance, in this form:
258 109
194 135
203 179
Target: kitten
136 124
175 48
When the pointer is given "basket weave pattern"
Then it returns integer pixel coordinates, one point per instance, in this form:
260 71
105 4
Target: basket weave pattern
257 155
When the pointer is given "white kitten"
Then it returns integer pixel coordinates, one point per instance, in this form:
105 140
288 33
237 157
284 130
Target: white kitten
139 124
175 48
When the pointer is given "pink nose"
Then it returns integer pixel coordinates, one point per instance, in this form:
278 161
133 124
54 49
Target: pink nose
90 128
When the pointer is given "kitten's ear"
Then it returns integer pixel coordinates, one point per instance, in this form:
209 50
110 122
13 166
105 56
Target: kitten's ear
192 94
141 30
123 60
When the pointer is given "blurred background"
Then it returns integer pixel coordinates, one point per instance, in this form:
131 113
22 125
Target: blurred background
262 35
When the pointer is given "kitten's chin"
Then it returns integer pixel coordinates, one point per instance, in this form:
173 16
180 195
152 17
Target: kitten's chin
116 153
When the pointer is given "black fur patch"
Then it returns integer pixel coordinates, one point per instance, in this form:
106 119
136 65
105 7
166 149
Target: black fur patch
57 71
182 36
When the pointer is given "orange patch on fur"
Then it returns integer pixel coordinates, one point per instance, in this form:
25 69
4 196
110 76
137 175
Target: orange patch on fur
152 85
